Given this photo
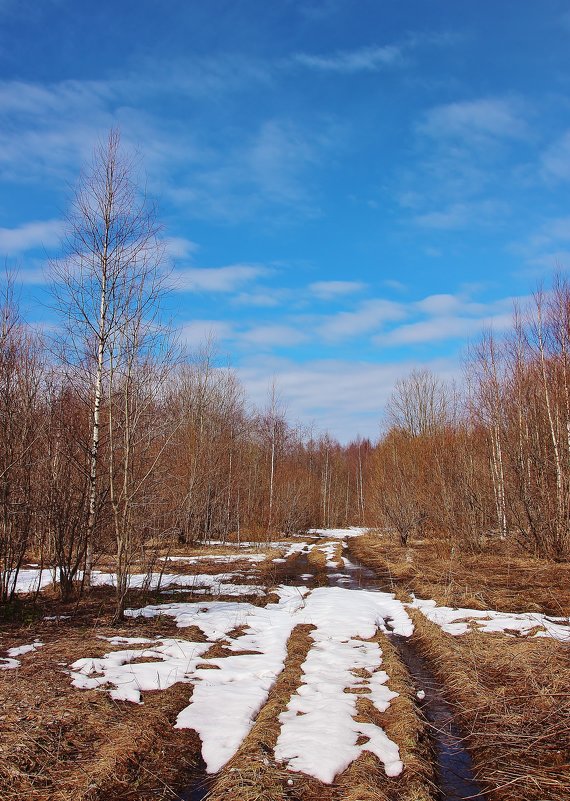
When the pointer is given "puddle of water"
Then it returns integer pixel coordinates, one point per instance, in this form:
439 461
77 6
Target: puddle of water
201 785
454 769
194 793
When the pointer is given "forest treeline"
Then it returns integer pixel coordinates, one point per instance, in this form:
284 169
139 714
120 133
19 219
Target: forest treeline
113 442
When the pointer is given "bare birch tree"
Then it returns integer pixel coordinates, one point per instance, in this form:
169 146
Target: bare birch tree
106 284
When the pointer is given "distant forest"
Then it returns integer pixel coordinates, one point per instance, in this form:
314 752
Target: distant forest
113 441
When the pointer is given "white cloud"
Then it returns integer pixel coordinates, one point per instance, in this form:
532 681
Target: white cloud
42 233
364 59
345 398
262 299
439 329
439 304
268 336
555 161
397 286
476 120
177 247
328 290
196 332
462 215
370 316
552 261
216 279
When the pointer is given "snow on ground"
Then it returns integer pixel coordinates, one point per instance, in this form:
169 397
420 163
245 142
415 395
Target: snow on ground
292 549
461 621
338 533
219 584
318 732
225 558
169 661
328 548
238 686
24 649
10 662
235 691
30 580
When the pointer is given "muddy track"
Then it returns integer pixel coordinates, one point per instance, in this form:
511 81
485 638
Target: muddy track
453 771
453 765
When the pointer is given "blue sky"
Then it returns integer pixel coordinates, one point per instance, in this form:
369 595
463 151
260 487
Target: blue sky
348 189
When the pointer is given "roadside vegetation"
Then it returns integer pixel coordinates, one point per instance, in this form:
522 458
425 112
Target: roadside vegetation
509 693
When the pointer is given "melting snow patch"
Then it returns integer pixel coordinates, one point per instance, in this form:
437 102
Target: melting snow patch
239 685
461 621
293 548
338 533
204 583
170 661
225 558
24 649
33 580
9 664
319 734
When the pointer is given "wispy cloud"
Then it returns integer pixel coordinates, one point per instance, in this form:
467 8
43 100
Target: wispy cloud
216 279
555 161
29 236
369 316
448 317
441 328
461 215
269 173
477 121
178 247
273 335
196 332
363 59
347 407
373 57
262 298
328 290
546 249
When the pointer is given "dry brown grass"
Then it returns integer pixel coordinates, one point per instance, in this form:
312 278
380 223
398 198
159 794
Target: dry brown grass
512 699
500 580
63 744
511 694
317 561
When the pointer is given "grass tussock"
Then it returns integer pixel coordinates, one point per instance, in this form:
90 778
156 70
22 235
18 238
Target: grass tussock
317 560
